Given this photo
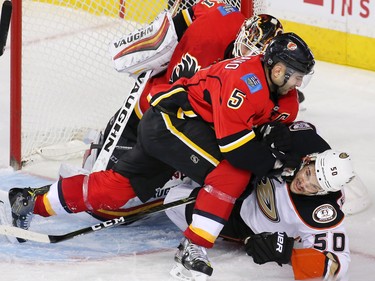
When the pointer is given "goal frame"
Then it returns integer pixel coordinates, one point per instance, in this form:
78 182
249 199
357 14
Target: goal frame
15 157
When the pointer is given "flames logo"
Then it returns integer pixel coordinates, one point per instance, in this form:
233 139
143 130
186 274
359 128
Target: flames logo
187 67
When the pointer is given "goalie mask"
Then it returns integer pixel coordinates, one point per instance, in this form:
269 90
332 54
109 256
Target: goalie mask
255 34
333 170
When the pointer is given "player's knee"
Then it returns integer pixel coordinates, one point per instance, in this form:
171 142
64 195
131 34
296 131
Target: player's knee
108 190
233 183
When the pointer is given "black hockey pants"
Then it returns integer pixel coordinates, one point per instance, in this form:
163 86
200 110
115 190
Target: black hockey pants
166 144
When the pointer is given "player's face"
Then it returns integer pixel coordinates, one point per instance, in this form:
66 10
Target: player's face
305 182
279 74
295 80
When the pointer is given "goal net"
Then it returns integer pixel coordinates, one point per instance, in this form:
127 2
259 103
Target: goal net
63 84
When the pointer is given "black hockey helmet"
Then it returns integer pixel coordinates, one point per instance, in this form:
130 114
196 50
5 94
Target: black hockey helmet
255 34
291 50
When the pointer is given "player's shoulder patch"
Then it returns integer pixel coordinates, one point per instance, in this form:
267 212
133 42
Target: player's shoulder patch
253 83
301 126
319 211
325 213
227 9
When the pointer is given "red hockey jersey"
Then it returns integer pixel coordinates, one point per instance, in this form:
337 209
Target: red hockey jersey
233 96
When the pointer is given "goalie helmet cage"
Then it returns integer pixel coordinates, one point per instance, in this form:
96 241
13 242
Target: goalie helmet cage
63 83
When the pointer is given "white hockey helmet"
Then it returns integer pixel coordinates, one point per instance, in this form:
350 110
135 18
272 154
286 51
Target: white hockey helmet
333 170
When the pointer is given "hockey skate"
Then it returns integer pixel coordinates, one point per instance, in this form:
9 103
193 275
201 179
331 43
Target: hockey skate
22 202
191 262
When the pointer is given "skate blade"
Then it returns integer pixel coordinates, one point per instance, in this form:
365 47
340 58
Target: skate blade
181 273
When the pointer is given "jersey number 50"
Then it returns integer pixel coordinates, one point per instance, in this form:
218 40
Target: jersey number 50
320 242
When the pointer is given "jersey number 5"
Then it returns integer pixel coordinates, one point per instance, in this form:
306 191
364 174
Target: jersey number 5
236 99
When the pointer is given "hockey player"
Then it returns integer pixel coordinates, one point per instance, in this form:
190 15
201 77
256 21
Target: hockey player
206 33
295 219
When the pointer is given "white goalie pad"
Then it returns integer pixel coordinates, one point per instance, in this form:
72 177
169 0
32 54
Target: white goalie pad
148 48
357 198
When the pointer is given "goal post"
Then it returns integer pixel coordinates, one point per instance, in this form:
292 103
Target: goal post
63 83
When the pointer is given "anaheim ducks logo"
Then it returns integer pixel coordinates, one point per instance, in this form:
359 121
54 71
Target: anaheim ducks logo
325 213
185 68
265 192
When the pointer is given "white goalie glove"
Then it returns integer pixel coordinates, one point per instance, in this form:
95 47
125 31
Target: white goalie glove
148 48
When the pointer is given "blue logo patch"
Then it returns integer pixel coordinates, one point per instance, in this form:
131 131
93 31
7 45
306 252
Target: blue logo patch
252 82
227 9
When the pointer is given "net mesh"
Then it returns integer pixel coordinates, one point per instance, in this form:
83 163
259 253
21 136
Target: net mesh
69 85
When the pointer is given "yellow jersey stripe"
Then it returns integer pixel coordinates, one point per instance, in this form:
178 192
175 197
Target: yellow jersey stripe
202 233
167 95
187 17
47 205
241 141
187 141
181 113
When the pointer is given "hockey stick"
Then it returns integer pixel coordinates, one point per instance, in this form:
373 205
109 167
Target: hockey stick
45 238
6 12
124 113
119 147
120 122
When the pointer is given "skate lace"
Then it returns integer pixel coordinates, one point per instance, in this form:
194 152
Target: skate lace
197 253
26 220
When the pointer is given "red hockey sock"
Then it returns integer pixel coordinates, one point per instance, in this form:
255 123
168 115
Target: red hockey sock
40 207
197 239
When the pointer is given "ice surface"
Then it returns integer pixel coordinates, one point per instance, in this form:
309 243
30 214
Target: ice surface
340 101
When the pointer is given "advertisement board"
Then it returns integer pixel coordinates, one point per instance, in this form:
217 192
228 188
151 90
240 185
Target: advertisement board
339 31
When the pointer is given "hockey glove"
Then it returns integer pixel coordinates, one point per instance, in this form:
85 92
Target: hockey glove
267 247
276 135
286 165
